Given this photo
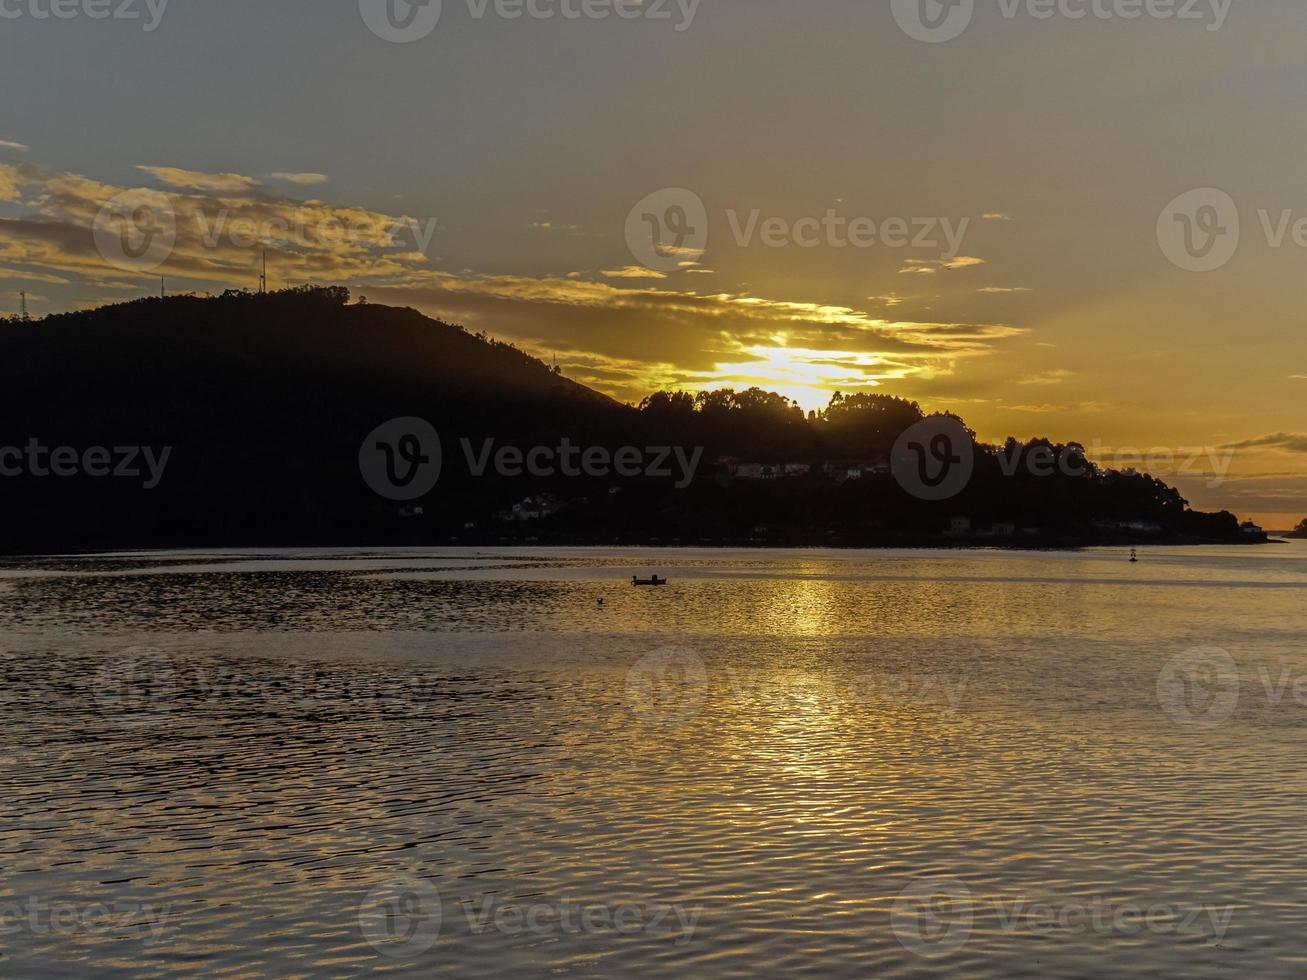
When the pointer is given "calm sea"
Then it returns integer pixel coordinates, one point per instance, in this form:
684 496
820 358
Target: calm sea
513 763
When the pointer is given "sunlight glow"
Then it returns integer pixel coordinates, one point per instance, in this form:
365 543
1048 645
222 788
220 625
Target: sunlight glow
805 375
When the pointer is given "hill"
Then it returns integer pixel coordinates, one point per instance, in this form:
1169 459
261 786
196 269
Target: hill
253 420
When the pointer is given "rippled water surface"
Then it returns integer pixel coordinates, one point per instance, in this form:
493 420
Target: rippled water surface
512 763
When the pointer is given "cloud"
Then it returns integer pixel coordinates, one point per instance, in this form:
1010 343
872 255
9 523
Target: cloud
1053 409
302 179
223 223
633 272
679 251
195 181
550 227
11 145
1288 442
644 335
1004 289
1053 377
928 267
627 335
9 181
1298 377
996 216
32 276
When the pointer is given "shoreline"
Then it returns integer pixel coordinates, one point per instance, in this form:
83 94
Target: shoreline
895 544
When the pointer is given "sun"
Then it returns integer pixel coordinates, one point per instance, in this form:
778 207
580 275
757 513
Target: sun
805 375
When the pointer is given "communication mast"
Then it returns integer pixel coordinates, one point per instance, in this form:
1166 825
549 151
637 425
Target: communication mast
24 298
263 278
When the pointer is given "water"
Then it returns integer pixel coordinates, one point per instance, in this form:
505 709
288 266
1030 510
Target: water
901 764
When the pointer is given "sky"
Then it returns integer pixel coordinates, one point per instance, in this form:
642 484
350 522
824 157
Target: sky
1066 218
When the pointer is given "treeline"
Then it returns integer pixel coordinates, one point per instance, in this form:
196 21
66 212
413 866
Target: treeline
1041 488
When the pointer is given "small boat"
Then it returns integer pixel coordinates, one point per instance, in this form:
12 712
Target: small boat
635 580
